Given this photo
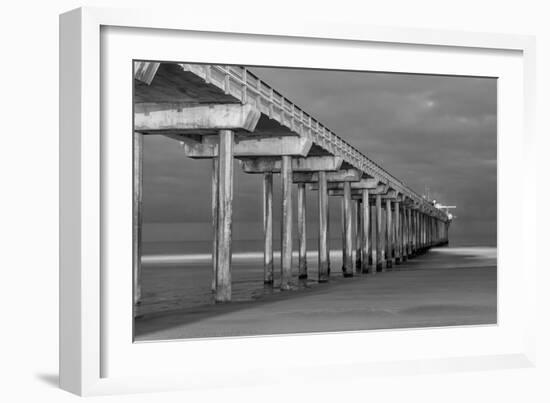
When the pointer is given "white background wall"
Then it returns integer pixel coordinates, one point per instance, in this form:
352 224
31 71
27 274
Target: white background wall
28 202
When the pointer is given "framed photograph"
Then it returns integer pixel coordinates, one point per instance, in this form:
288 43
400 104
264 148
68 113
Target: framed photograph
243 204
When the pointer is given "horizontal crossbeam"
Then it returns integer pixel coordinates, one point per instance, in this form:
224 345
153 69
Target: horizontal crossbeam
369 183
161 118
308 164
207 147
344 175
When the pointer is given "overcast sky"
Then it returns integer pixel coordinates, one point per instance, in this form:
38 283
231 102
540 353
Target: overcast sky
432 132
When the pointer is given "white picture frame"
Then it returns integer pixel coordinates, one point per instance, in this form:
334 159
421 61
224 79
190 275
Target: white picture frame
88 334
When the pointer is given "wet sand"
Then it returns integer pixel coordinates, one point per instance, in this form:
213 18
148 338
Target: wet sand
445 287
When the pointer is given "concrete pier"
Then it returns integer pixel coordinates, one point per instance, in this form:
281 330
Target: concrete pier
227 113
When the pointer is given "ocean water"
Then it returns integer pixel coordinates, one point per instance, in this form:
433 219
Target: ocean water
178 275
238 246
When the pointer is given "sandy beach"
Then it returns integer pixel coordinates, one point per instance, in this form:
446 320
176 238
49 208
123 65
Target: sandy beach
445 287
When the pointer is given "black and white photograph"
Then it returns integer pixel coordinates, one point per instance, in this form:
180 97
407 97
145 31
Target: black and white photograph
273 200
246 201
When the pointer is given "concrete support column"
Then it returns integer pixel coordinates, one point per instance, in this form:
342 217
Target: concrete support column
424 233
373 238
343 229
435 222
389 235
425 230
348 231
431 230
434 231
225 214
268 227
414 232
286 223
435 239
302 235
328 233
215 186
403 220
323 228
379 252
421 235
410 215
358 236
404 232
398 234
137 206
409 232
419 229
404 229
365 242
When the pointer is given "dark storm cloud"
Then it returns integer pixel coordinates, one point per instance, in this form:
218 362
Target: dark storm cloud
435 132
